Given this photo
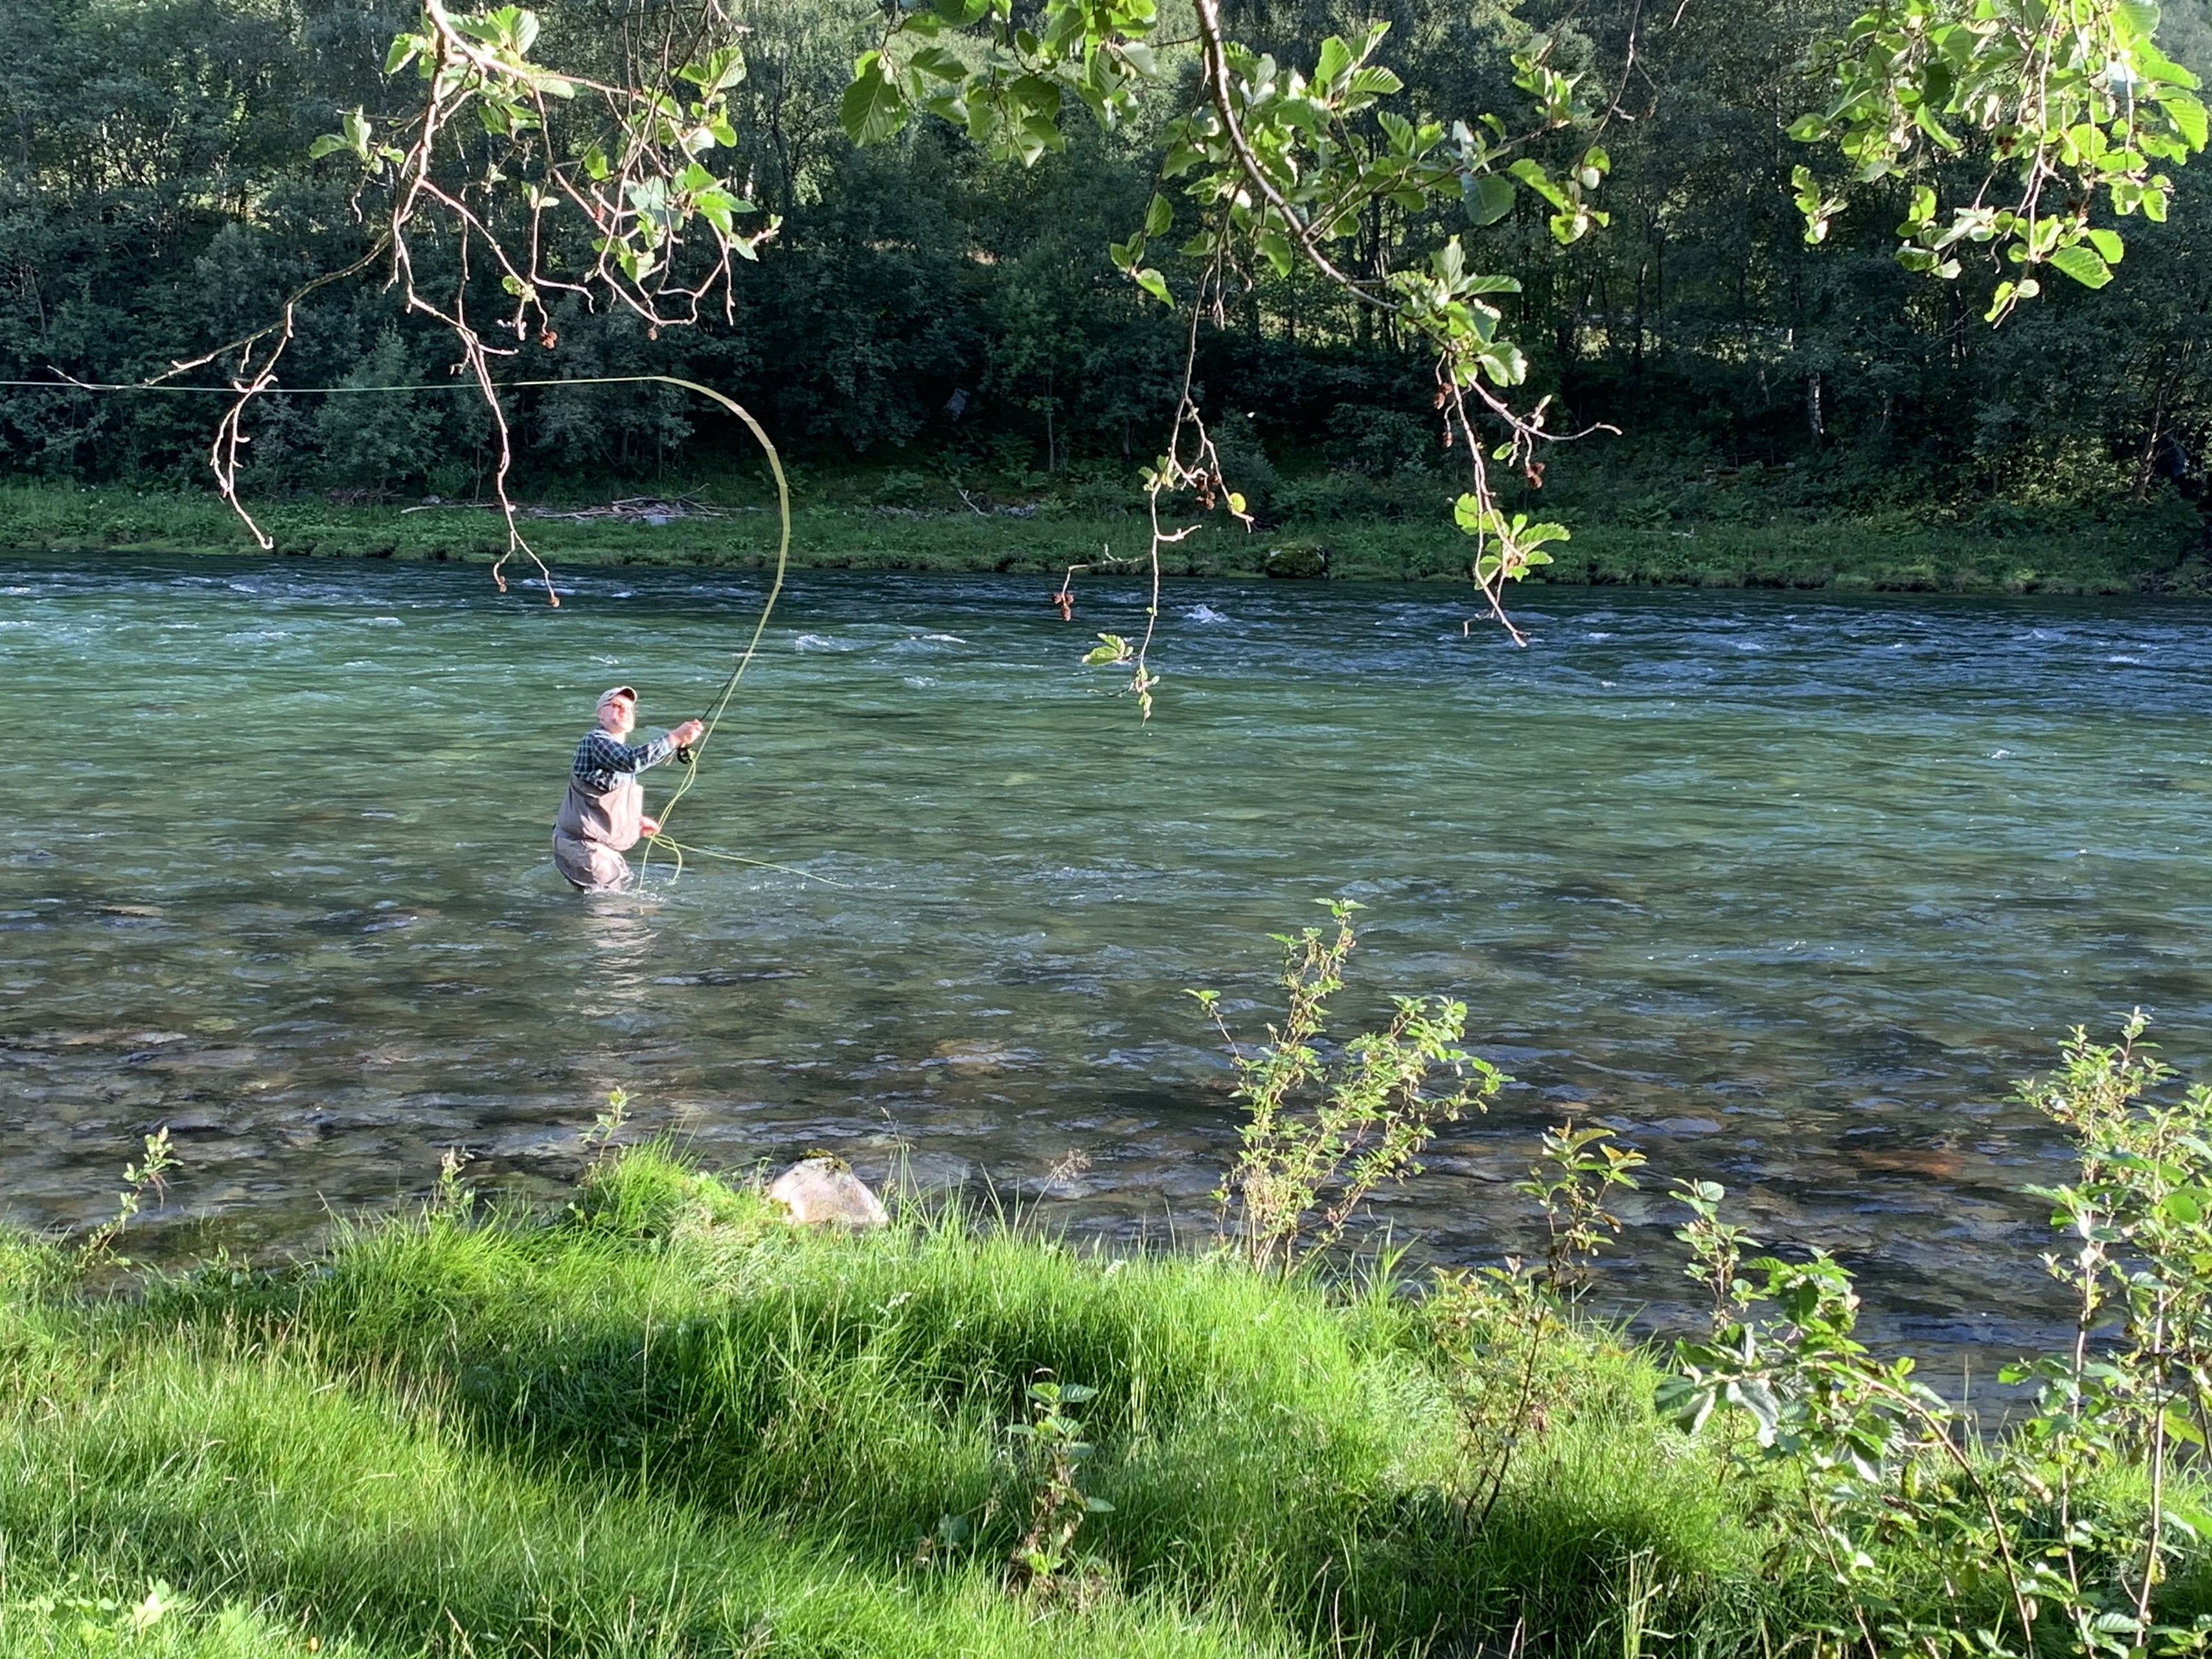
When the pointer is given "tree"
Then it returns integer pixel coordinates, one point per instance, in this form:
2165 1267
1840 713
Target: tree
1333 200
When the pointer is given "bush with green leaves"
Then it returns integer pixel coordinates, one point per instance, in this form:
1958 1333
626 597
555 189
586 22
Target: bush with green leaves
375 437
1321 1132
2064 1527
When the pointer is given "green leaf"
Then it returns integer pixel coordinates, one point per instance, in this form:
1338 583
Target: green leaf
1034 95
939 63
2083 265
1687 1401
1034 135
871 110
1373 81
404 48
1159 215
2139 15
960 12
1334 63
2108 245
1488 198
1531 173
2154 63
1154 284
2187 114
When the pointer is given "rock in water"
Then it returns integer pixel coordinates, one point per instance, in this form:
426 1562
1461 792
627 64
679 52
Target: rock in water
822 1192
1298 562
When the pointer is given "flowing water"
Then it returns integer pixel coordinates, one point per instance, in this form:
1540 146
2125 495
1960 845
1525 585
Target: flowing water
1788 890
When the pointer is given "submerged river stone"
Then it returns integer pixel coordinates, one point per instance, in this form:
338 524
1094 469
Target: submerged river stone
822 1192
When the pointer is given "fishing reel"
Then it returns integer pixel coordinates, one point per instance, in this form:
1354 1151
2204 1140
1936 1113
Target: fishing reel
685 755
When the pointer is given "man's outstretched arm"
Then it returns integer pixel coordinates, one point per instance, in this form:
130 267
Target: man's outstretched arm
600 755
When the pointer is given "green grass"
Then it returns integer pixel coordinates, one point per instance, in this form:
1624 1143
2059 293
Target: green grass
662 1422
1709 537
665 1422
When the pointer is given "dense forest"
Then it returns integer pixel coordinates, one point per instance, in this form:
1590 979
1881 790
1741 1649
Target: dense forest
925 308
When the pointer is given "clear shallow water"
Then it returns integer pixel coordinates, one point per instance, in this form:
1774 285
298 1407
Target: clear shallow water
1788 890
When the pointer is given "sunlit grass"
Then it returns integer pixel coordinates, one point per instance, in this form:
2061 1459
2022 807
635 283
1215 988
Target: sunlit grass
665 1422
1617 540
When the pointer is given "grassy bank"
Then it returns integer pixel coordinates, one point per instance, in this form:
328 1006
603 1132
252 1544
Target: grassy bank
665 1422
1715 538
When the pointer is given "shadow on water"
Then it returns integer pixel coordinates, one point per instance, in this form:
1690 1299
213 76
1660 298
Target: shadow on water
1786 890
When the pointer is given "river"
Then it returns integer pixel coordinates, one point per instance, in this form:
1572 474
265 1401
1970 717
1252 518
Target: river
1787 889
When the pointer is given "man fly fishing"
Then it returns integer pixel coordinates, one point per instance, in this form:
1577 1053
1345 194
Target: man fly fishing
604 813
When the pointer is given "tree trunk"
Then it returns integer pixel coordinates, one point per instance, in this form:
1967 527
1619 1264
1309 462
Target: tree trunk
1636 346
2145 467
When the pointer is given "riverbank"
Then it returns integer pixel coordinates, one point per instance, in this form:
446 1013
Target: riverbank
2155 548
664 1421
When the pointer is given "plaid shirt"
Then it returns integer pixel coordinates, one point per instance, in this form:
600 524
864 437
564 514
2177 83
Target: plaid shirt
603 761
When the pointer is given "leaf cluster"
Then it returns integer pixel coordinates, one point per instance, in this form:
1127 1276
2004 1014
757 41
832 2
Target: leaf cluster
1046 1564
1320 1133
1896 1487
2070 100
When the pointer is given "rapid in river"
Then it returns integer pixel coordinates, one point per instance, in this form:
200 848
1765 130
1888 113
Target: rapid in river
1786 889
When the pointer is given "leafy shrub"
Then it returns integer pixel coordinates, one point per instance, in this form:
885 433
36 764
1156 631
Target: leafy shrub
2071 1521
1319 1135
1296 561
379 438
901 488
1379 442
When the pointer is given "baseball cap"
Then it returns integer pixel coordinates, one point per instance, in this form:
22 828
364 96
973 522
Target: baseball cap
614 691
